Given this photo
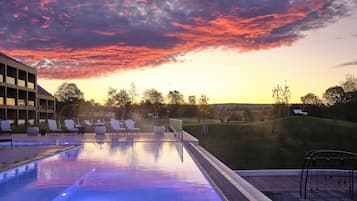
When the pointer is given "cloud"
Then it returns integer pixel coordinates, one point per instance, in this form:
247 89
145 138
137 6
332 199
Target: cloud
346 64
89 38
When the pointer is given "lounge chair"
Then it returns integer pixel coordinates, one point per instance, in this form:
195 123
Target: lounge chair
99 122
70 125
52 125
5 125
88 123
115 125
130 124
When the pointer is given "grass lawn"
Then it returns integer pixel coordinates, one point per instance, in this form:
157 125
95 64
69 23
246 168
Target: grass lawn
273 144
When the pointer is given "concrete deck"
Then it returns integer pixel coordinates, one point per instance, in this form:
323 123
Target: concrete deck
19 155
287 187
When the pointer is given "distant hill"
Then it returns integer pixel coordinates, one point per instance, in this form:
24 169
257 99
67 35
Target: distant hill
241 106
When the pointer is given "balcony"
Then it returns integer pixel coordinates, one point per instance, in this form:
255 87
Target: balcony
21 83
10 101
10 80
43 107
21 102
31 85
31 103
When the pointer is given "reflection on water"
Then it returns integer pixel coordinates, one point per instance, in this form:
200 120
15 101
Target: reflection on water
116 171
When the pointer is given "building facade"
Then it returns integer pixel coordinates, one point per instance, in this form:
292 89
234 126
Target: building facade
22 100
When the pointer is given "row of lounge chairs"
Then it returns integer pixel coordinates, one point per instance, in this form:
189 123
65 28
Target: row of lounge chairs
71 126
114 124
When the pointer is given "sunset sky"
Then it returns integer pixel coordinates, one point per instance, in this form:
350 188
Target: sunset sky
231 50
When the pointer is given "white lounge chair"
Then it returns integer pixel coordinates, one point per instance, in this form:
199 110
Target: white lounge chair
5 125
130 124
115 125
52 125
88 123
70 125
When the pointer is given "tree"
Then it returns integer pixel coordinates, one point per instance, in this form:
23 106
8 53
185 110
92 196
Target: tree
69 93
281 94
119 99
333 95
133 93
154 98
350 84
311 99
203 110
203 107
190 110
175 99
192 100
68 97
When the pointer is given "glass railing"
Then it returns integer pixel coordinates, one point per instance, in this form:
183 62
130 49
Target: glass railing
10 80
21 83
176 126
31 103
10 101
1 100
21 102
30 85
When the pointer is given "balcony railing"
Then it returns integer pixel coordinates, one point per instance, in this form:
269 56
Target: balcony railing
21 102
10 101
21 83
1 100
1 78
10 80
31 103
43 107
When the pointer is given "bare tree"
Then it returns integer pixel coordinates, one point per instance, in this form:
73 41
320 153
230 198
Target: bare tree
203 109
350 84
133 93
282 94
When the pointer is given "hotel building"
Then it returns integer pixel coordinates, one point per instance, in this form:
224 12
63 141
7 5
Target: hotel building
22 100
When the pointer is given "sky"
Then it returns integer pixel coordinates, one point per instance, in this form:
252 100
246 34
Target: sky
234 51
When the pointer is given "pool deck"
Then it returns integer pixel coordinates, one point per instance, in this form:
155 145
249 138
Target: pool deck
285 185
19 155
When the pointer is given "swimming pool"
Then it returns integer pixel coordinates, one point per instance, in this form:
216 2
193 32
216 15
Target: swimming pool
128 171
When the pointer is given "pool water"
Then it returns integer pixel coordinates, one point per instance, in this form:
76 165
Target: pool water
128 171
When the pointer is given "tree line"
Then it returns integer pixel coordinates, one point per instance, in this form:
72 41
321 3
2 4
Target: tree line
125 103
337 102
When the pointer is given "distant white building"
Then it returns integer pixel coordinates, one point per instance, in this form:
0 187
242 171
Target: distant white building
299 112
